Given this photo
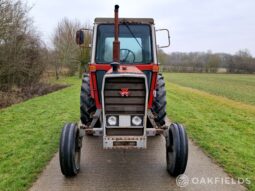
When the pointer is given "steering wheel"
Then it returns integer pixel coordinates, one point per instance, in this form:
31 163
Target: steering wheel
128 53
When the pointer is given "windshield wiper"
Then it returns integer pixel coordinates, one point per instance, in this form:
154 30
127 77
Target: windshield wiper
126 24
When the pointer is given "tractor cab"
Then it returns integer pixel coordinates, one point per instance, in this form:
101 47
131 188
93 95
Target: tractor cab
135 37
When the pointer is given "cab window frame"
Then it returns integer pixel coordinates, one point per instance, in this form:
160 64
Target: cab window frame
99 61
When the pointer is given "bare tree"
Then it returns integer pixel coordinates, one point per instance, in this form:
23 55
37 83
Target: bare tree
68 53
20 46
243 62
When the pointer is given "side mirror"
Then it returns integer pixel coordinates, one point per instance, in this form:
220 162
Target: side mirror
164 33
80 36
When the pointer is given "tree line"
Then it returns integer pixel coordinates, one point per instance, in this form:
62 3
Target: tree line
241 62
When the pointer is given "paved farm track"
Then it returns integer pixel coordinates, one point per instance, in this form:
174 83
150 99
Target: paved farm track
129 170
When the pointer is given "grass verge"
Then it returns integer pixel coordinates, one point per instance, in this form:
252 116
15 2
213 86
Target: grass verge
223 128
29 134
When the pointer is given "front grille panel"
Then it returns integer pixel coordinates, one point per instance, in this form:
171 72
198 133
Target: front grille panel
100 75
134 103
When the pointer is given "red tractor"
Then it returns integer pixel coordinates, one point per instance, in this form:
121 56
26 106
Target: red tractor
123 98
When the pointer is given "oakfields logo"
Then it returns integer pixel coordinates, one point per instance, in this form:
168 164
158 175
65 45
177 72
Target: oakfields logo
183 180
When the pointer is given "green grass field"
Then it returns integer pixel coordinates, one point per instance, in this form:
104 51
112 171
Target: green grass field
224 128
30 134
239 87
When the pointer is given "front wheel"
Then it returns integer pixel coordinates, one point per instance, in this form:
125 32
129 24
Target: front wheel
176 149
70 150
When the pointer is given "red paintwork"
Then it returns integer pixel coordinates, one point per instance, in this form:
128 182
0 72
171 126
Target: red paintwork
95 91
123 69
152 88
106 67
127 69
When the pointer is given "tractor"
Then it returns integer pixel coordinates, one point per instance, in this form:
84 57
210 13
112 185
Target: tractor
123 96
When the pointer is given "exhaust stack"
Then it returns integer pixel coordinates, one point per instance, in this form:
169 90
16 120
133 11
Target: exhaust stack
116 42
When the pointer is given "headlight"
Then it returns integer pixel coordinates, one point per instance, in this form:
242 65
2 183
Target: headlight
137 120
112 120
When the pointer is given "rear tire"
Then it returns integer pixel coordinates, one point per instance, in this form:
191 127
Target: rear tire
176 149
70 150
159 103
87 103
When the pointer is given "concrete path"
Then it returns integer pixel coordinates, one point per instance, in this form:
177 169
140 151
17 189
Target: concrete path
114 170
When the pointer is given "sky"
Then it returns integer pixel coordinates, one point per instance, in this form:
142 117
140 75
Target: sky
194 25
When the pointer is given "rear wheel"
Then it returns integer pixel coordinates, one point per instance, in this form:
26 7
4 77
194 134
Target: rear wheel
70 150
159 103
87 103
176 149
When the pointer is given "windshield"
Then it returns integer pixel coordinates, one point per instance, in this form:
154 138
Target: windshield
135 43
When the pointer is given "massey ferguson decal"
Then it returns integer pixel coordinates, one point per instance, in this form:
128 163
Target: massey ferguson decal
124 92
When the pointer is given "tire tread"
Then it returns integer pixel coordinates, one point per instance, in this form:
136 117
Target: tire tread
159 102
87 103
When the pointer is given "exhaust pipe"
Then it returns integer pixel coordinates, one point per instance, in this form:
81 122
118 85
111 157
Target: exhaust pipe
116 42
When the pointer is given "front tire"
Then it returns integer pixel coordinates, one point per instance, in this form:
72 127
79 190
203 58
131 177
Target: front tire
70 150
176 149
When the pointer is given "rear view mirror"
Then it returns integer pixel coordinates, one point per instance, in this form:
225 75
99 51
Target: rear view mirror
163 37
80 36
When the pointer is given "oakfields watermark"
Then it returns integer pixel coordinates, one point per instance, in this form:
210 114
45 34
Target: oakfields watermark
183 180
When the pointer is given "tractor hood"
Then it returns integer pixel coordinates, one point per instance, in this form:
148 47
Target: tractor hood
99 70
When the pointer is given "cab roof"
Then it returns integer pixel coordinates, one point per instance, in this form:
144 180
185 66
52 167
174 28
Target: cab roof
123 20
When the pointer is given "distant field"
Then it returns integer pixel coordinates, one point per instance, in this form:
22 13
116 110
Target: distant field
239 87
224 128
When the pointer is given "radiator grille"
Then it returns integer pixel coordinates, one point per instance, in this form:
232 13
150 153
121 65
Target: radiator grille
134 103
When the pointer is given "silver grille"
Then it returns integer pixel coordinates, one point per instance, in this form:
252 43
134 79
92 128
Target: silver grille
134 103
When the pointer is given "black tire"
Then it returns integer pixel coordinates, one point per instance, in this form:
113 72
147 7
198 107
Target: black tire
70 150
87 103
159 102
176 149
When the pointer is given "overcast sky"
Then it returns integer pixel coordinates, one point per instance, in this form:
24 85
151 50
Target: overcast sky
195 25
